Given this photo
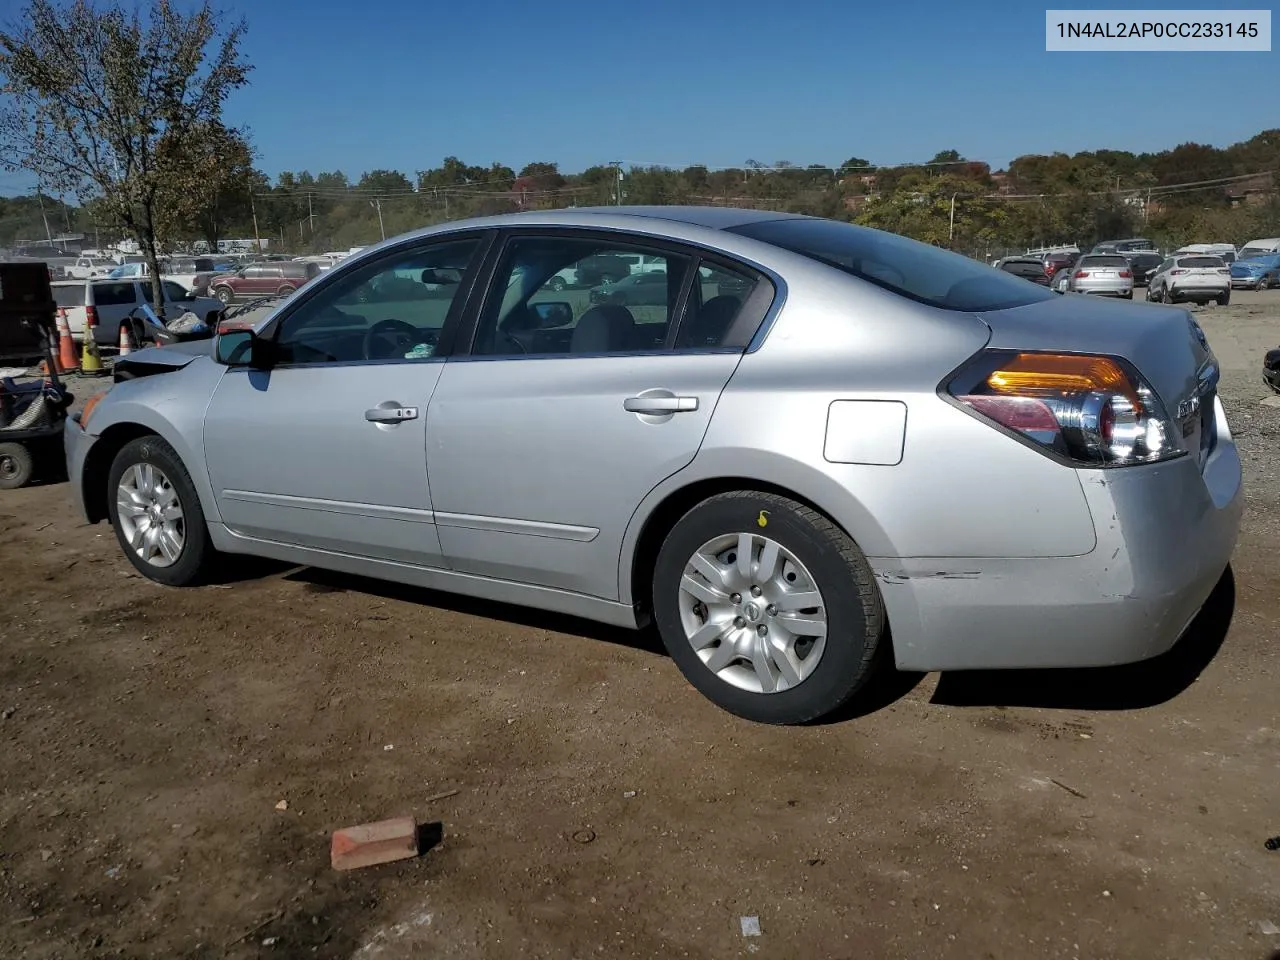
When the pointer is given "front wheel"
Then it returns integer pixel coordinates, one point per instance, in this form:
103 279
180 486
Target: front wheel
223 294
157 515
16 466
285 290
767 607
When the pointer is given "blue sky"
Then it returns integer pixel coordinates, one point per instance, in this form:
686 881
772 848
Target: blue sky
403 83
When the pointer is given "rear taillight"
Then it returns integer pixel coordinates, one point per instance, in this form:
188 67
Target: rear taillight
91 316
1125 274
1224 271
1081 274
1093 411
1176 273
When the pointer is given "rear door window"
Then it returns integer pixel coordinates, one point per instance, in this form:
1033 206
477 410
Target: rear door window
115 294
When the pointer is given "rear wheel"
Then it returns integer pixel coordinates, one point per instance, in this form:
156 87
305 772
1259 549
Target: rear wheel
1223 300
767 607
16 466
157 515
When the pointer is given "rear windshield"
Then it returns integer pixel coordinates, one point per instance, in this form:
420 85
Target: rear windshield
1200 262
1104 261
906 267
69 294
113 294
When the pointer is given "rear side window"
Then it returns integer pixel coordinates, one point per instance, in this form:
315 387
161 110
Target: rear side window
906 267
69 295
114 294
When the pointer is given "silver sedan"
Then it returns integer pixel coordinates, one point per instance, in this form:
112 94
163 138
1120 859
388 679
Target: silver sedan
821 449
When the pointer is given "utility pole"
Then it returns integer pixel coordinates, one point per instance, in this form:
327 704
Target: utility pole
617 182
257 238
40 200
377 202
310 215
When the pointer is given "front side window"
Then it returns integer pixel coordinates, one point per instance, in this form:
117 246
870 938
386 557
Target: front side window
557 295
391 309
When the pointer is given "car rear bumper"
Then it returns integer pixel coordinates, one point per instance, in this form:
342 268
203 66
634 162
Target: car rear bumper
1103 289
1192 291
1165 534
76 444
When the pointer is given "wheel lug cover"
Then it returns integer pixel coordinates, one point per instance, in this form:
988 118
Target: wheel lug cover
762 630
771 610
739 622
736 598
756 591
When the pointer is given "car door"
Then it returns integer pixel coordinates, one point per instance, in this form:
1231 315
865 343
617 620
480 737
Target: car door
566 413
326 448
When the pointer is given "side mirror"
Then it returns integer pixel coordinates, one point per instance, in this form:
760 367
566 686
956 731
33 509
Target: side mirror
553 313
237 346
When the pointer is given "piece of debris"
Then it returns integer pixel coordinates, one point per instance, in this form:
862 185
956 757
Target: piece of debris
368 844
815 861
442 796
113 872
628 794
270 941
1269 928
750 926
1070 790
389 746
282 805
255 928
8 712
1273 843
1106 893
583 836
46 855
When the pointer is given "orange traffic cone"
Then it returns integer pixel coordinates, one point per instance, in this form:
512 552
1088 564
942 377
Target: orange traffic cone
67 360
125 347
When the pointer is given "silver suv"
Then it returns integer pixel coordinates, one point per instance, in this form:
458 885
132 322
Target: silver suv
1104 275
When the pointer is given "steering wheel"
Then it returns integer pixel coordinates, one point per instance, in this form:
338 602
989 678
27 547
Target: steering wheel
387 337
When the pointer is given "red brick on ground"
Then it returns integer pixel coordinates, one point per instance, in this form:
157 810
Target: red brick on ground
371 843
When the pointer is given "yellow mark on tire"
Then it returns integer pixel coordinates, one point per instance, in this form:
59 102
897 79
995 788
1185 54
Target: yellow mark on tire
763 519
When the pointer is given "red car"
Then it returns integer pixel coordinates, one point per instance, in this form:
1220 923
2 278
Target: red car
262 280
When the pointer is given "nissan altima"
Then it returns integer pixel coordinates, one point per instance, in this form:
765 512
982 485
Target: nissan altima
820 450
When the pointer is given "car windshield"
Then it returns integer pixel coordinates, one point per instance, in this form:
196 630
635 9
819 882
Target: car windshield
906 267
1248 252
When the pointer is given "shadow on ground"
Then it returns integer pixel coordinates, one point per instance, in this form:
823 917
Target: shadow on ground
646 640
1129 687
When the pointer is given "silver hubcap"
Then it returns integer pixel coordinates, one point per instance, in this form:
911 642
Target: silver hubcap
151 515
753 613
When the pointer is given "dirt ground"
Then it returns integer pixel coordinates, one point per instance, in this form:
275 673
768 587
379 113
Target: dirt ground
602 807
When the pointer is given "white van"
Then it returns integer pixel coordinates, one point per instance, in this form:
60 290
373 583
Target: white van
1259 248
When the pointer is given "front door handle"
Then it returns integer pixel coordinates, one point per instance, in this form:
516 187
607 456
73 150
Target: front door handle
391 414
660 404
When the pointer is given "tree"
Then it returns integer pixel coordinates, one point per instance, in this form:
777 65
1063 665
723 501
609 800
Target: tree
103 102
218 191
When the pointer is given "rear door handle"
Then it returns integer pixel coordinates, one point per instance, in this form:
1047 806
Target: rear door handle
391 414
660 404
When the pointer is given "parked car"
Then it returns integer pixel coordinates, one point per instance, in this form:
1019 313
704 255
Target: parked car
879 432
1195 278
1259 248
258 279
1055 262
1103 275
104 306
1257 273
1061 282
86 267
1271 369
1132 245
1028 268
637 290
1226 251
1142 265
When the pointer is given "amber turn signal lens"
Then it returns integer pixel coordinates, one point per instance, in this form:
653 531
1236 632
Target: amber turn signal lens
88 408
1060 373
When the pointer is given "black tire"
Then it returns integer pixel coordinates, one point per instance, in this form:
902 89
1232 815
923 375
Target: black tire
16 466
1260 285
557 284
197 556
1223 300
285 290
851 600
224 294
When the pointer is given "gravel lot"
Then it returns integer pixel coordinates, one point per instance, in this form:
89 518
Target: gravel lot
603 808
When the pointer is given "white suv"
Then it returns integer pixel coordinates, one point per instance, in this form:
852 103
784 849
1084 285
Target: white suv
104 307
1196 277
